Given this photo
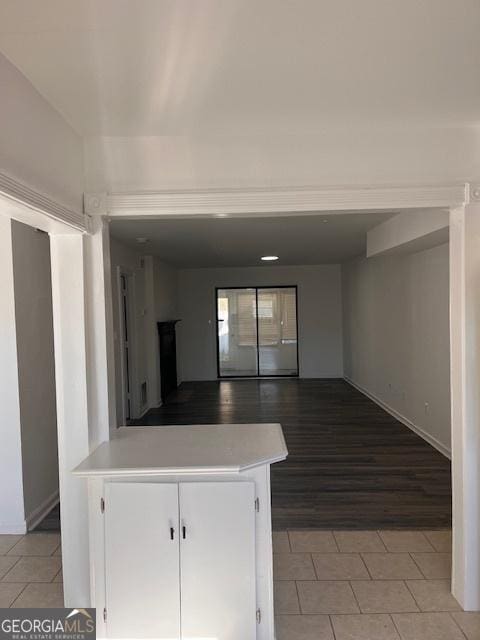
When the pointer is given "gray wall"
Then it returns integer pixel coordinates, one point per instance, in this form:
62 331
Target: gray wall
396 336
36 366
164 303
165 282
319 316
37 146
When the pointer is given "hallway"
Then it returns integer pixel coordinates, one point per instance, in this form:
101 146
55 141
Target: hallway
350 466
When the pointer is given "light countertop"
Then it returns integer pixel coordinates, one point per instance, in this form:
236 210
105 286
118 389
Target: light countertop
186 449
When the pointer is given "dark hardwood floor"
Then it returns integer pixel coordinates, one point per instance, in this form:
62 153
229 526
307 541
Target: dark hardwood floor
350 465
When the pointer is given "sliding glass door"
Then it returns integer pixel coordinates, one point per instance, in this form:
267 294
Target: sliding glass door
257 332
277 331
237 332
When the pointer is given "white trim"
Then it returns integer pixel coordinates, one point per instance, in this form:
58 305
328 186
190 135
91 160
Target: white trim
19 192
39 513
13 528
401 418
274 200
144 410
147 408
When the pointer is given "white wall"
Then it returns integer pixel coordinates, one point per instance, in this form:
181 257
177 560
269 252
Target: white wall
319 316
332 156
36 369
37 146
396 335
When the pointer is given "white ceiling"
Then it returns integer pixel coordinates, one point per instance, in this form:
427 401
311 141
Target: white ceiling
240 242
165 67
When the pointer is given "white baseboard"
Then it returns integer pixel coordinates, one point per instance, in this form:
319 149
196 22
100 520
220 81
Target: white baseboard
15 528
38 514
408 423
142 413
146 409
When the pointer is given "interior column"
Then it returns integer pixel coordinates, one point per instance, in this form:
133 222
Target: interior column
100 344
70 333
465 397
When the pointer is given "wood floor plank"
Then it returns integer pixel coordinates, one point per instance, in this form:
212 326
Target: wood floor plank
351 465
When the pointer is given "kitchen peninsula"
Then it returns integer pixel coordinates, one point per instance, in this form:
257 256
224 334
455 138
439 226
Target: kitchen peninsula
180 531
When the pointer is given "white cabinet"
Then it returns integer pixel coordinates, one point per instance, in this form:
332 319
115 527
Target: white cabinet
217 560
142 561
180 531
180 560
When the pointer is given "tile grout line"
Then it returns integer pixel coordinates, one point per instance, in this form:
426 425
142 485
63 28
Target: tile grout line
434 550
417 565
395 625
298 598
355 596
379 534
457 625
314 568
15 544
13 565
55 576
366 566
335 541
413 596
11 569
17 597
331 626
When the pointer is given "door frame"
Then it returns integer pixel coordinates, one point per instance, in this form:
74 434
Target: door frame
217 340
131 371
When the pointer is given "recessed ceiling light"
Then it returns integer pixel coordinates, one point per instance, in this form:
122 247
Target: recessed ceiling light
325 220
142 240
269 258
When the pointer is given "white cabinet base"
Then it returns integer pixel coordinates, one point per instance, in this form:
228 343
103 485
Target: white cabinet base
131 550
180 553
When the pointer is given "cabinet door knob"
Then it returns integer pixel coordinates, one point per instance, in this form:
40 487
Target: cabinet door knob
172 533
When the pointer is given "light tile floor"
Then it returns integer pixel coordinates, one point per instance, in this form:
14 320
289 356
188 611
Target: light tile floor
367 585
31 571
344 585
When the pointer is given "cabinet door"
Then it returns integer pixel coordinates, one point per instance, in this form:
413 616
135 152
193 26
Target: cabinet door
142 561
217 560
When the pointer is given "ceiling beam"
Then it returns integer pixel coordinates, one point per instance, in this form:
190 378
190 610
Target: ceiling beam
273 201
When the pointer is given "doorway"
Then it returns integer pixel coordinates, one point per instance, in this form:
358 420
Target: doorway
257 332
